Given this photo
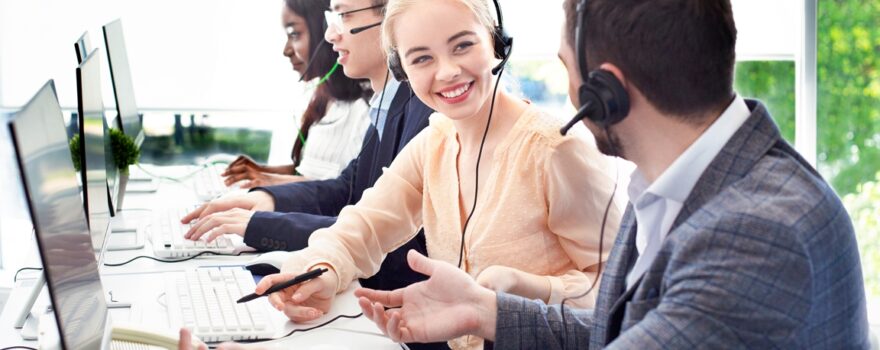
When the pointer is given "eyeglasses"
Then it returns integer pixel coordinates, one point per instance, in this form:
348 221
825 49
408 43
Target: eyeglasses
335 19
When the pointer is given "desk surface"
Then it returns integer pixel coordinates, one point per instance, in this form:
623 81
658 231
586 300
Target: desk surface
142 284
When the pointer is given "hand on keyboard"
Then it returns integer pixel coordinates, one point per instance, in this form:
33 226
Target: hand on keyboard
232 221
269 179
253 201
245 168
303 302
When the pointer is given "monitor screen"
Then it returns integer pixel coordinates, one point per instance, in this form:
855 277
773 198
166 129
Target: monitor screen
93 143
53 196
120 74
82 47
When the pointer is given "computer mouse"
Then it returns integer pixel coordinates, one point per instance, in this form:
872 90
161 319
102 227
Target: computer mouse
267 263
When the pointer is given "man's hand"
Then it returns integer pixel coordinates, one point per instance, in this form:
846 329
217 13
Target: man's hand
446 306
305 301
252 201
232 221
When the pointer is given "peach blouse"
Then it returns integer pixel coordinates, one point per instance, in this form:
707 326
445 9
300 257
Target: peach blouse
539 212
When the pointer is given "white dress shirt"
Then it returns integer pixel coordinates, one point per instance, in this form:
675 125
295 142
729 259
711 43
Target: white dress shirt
334 140
657 204
378 113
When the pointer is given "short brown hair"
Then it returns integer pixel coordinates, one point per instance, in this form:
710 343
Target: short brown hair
679 53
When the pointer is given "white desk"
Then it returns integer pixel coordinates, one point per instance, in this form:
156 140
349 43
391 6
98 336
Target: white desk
142 284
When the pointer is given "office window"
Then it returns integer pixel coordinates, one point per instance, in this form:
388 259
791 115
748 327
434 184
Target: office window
543 81
190 137
848 119
773 83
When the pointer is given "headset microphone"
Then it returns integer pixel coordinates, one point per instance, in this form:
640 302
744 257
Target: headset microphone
580 115
509 46
358 30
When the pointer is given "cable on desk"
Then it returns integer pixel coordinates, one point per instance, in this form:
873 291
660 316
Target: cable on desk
170 261
251 341
15 278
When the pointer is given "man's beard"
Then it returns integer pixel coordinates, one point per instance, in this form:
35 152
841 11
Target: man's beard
607 142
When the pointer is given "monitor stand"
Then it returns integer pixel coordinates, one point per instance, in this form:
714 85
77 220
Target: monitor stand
141 181
23 298
127 230
126 240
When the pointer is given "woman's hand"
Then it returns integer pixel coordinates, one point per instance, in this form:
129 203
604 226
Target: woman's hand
305 301
245 168
509 280
499 278
263 179
242 168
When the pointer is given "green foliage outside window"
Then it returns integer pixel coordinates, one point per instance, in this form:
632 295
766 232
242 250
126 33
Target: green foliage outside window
865 212
848 113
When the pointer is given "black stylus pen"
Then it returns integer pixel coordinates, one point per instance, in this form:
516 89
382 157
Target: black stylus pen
296 280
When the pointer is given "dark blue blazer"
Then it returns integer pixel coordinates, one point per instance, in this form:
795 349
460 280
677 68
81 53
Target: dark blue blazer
301 208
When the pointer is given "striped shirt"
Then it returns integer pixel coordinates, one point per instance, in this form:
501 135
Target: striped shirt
334 140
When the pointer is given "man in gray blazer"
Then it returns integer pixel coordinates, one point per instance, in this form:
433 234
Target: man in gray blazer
730 239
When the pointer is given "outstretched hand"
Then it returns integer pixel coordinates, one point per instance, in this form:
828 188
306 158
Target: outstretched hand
448 305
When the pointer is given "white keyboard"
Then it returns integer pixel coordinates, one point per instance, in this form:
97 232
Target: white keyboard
168 241
209 184
204 300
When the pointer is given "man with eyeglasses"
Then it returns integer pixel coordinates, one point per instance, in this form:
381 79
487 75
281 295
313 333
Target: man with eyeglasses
286 215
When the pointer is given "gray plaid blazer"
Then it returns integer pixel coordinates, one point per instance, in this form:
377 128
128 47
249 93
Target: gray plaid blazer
763 255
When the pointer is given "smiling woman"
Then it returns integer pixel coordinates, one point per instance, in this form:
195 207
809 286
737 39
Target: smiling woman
491 179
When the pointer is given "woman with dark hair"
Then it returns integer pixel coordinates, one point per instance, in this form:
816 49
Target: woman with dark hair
335 120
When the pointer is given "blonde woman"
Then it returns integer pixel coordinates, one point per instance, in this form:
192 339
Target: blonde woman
541 197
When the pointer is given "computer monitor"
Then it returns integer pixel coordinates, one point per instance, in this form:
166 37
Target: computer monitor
123 88
82 46
53 197
94 144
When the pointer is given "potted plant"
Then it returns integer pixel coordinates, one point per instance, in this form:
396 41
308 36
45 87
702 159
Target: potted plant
125 154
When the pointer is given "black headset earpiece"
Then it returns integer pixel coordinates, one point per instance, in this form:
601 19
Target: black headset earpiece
607 96
503 45
395 66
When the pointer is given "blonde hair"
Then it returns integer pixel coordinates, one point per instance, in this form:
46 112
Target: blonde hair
395 8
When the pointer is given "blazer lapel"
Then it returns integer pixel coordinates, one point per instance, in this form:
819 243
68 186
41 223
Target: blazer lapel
394 124
614 281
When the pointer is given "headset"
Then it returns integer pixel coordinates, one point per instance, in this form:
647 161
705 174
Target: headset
602 97
503 45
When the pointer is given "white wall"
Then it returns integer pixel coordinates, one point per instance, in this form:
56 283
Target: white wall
226 54
217 54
